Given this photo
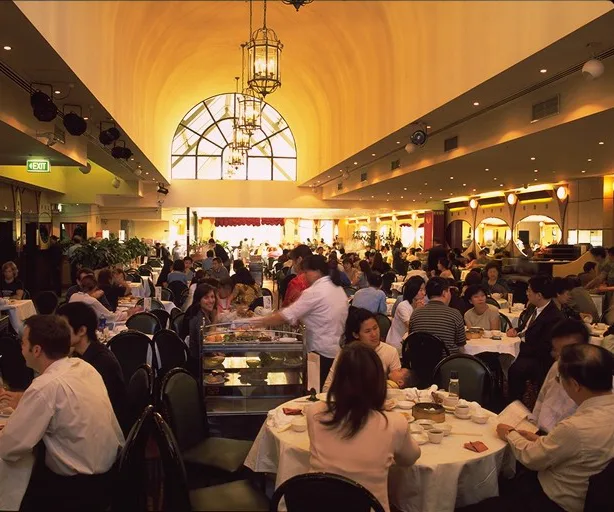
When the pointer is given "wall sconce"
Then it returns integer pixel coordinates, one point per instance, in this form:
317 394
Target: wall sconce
511 199
414 216
561 193
377 219
473 204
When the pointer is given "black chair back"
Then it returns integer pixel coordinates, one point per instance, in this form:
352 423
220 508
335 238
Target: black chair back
130 489
384 325
182 408
167 295
266 292
476 380
15 374
145 270
139 394
349 291
258 301
184 297
177 287
505 323
144 322
600 494
154 262
174 487
155 303
492 302
133 276
46 303
175 312
178 327
172 352
163 317
26 294
324 492
130 348
421 352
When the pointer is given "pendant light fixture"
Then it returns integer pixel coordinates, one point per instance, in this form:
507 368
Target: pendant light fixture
297 4
263 59
241 139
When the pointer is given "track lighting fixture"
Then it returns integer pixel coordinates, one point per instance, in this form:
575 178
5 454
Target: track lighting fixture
108 136
43 107
73 122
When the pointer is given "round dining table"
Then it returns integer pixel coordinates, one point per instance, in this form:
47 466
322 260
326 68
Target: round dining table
446 475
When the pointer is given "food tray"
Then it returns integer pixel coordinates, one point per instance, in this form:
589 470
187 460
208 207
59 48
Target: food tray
429 411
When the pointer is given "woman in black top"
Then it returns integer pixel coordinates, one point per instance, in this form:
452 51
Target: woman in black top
111 290
11 286
379 265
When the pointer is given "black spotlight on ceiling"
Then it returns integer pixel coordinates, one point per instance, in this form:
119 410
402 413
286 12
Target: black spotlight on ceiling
121 151
43 107
417 138
162 189
108 136
73 122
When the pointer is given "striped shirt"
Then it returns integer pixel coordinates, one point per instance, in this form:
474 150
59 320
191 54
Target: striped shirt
440 320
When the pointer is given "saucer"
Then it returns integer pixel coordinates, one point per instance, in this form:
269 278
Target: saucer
460 417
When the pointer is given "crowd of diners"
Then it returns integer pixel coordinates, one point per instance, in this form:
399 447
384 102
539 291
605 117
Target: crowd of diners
79 393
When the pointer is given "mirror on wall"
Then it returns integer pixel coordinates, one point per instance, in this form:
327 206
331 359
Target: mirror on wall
536 232
493 233
459 234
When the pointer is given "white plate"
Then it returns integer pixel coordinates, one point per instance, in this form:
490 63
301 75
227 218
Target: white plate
405 404
287 340
420 438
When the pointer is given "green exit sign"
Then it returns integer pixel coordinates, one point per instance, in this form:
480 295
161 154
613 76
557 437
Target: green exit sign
38 165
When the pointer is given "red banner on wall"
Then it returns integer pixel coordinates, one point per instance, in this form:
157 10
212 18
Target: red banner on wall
247 221
434 227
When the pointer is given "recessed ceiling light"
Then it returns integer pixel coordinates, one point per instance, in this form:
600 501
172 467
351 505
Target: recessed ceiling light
328 176
85 118
7 48
401 197
495 179
543 70
451 177
535 170
132 159
372 154
425 183
340 170
414 200
420 194
501 184
398 142
57 92
428 126
146 172
387 193
405 188
590 160
355 163
532 158
535 179
372 197
487 169
464 184
387 200
474 190
476 103
583 172
450 193
441 190
431 197
601 143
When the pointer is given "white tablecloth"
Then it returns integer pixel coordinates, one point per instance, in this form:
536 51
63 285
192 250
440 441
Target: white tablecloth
14 479
510 346
444 477
397 286
18 311
389 304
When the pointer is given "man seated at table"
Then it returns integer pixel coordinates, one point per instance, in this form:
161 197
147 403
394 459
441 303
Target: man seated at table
208 261
99 294
437 318
372 298
553 404
83 322
10 286
482 314
580 300
578 447
534 357
89 287
589 272
67 407
416 270
218 271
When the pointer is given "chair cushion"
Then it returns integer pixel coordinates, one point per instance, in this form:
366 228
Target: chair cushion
239 496
219 452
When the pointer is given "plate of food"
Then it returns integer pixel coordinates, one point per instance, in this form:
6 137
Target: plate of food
214 361
293 362
214 380
6 412
286 339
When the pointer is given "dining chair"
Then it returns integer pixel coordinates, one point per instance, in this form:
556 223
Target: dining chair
600 494
167 295
131 348
237 495
505 322
384 324
46 302
139 394
144 322
476 380
182 406
324 492
163 317
421 351
155 303
177 287
493 302
172 352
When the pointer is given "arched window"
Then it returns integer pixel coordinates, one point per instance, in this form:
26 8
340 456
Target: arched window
201 144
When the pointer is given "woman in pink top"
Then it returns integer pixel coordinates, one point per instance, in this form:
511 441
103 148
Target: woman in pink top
353 436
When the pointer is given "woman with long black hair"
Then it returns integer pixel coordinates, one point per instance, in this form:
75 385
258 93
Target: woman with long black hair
350 434
413 296
202 312
323 308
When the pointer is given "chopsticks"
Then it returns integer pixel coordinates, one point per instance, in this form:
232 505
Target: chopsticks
452 433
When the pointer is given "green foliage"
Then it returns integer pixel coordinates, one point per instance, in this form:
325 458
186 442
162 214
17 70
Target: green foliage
107 252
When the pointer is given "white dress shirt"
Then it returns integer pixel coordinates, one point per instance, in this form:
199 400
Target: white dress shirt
100 310
68 407
387 354
577 448
400 324
323 308
553 403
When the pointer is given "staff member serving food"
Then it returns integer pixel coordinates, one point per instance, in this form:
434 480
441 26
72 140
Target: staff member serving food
323 308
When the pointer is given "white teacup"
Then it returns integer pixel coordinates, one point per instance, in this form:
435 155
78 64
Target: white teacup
435 435
487 334
450 401
462 411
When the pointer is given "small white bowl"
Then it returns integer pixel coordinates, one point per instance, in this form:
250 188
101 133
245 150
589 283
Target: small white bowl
405 404
420 438
414 428
426 424
487 334
299 424
450 402
480 418
436 435
446 427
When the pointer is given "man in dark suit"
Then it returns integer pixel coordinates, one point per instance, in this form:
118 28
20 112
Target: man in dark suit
534 358
435 254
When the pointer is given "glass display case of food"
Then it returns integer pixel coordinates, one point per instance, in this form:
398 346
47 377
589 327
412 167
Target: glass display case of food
251 371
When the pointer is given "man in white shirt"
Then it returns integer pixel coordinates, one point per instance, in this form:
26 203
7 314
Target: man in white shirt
68 408
553 404
577 448
416 270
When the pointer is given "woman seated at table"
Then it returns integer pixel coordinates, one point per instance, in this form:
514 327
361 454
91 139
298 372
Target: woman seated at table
351 272
362 327
202 312
224 296
178 273
109 284
245 290
89 287
493 281
166 269
413 297
482 314
364 271
353 436
443 266
11 287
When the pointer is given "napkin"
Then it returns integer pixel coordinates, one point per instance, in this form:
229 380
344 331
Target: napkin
419 395
474 406
475 446
277 419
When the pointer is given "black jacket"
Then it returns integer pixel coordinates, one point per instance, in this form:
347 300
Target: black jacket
435 254
537 341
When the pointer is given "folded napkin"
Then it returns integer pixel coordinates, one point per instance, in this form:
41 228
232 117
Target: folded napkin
476 446
474 406
420 395
277 419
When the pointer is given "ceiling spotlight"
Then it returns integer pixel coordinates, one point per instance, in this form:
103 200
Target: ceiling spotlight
561 193
601 143
137 172
583 172
73 122
109 136
372 154
593 69
419 137
7 48
162 189
121 151
543 70
398 142
535 170
451 177
476 103
116 182
404 188
487 169
532 158
589 160
355 163
43 107
86 118
57 92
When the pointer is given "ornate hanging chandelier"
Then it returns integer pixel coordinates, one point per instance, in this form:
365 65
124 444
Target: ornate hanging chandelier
234 160
249 103
297 3
263 59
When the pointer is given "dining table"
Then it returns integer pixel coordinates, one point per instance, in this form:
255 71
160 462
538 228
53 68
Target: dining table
446 475
14 477
18 311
